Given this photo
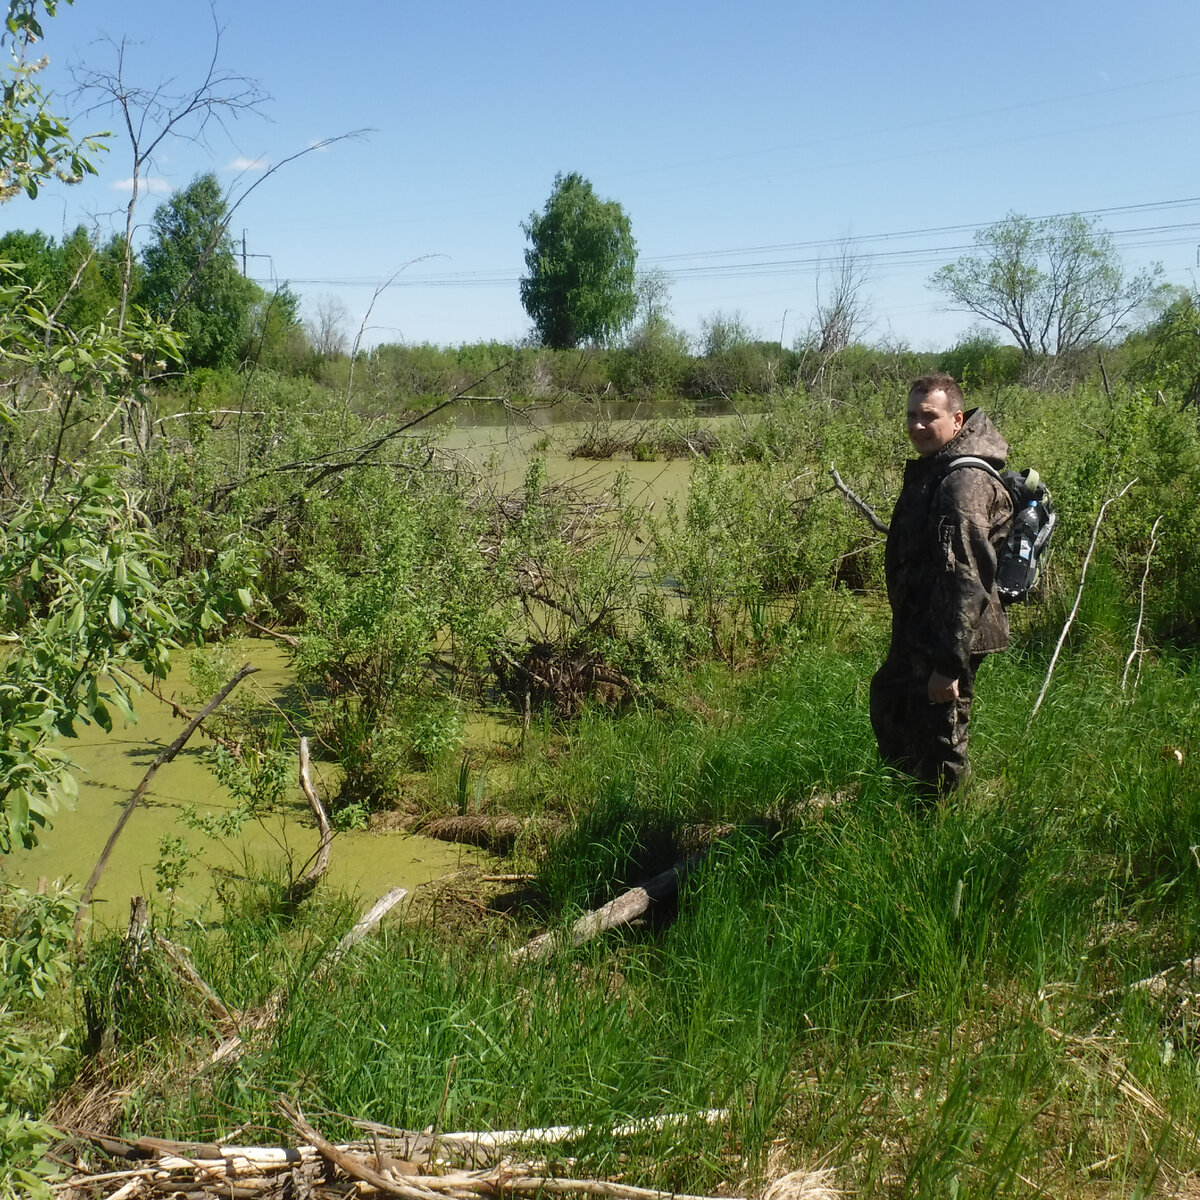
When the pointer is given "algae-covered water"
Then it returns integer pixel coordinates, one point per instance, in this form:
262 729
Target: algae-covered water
369 863
112 765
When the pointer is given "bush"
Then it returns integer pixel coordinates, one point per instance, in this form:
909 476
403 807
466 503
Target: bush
980 361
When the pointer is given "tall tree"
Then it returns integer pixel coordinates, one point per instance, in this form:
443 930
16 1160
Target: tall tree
1056 285
192 279
581 262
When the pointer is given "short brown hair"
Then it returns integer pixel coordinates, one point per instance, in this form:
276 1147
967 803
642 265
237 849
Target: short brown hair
938 381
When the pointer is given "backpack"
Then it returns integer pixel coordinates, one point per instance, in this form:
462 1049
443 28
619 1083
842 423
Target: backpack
1033 521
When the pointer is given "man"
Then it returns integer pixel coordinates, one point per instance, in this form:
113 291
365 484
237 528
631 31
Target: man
940 565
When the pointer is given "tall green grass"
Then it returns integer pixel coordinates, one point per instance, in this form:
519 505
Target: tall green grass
933 1001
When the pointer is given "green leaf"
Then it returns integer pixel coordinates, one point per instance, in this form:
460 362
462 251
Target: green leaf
116 612
245 599
75 620
18 810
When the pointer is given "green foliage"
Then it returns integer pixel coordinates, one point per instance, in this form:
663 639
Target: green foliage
980 361
191 276
732 361
654 361
79 279
1056 285
398 585
35 937
89 594
87 591
35 144
1172 352
580 262
35 941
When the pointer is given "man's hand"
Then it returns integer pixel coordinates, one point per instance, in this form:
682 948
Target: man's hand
942 689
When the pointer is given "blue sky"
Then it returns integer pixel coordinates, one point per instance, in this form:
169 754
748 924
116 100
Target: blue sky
744 143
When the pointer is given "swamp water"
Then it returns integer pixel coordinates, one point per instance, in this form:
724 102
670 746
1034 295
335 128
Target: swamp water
112 765
496 446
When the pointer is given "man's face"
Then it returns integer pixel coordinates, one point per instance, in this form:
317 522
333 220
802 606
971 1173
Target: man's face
931 422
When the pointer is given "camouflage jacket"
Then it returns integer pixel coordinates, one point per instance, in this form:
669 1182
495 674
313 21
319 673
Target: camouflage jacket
941 552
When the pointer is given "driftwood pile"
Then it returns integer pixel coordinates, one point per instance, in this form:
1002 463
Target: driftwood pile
658 442
417 1166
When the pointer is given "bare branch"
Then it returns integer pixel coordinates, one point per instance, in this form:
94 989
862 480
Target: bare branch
860 504
1062 637
1137 650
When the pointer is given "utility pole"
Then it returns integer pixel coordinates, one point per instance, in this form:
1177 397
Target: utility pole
246 255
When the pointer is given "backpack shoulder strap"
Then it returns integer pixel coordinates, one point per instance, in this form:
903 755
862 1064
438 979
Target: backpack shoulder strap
970 460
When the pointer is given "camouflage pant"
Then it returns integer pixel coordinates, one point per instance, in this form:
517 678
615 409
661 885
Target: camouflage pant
927 741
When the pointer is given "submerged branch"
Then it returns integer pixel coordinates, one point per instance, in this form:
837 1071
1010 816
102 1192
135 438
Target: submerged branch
164 757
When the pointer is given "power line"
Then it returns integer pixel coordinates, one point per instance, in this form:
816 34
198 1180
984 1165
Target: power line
909 258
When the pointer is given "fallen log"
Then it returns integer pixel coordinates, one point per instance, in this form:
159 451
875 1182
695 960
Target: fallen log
232 1047
626 907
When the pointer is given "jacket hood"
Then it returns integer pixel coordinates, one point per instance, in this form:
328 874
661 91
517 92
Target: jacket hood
977 437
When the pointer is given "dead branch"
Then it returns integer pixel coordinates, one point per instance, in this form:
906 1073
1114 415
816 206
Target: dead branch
417 1166
863 507
354 1167
232 1047
504 1138
628 906
367 922
183 964
1137 650
1168 981
1062 637
164 757
309 880
286 638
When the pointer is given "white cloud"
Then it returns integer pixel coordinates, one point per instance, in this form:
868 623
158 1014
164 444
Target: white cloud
154 184
241 163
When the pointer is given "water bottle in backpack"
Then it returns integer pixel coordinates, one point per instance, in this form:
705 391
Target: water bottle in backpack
1034 518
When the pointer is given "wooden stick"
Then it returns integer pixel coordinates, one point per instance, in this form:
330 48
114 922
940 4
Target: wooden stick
1062 637
369 920
287 638
863 507
164 757
183 963
495 1139
233 1046
1159 984
352 1166
628 906
1137 632
591 1187
320 865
